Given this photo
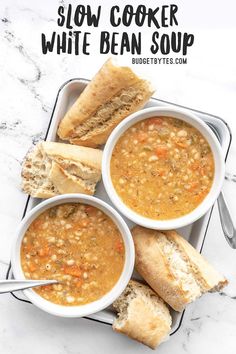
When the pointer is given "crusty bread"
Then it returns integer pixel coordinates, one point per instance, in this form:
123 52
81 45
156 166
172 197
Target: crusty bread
173 268
54 168
142 315
113 94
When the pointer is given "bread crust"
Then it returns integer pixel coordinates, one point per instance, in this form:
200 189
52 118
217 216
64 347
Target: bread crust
148 319
114 84
87 156
154 266
151 264
56 168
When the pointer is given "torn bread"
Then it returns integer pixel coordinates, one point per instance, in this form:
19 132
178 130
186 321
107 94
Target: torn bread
173 268
142 315
113 94
54 168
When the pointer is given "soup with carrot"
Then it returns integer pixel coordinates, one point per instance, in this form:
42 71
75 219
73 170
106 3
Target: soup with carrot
78 245
162 168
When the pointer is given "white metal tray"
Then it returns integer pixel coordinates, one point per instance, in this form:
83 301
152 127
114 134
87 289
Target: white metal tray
194 233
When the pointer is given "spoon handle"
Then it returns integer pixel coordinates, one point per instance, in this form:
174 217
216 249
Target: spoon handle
7 286
226 221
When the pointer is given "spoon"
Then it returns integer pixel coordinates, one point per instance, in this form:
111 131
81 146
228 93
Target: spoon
226 221
7 286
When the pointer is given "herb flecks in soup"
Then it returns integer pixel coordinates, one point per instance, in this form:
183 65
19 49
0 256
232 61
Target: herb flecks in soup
162 168
78 245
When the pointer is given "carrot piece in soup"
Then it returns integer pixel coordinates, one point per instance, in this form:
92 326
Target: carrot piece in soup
44 251
142 137
161 151
46 287
155 121
89 209
161 172
32 267
119 247
73 270
193 186
200 196
37 224
78 283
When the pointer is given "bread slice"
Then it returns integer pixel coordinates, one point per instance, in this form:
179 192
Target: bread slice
142 315
113 94
173 268
54 168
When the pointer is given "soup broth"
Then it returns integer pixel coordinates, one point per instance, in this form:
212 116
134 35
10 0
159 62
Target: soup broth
162 168
78 245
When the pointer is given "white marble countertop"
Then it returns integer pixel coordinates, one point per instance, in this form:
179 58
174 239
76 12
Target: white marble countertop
28 86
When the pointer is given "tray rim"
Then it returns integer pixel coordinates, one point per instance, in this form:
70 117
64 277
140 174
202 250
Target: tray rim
154 98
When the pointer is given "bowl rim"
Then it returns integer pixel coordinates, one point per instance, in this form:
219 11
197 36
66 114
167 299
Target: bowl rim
108 298
208 201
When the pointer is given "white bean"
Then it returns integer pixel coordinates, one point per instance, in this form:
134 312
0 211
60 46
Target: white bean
182 133
70 262
61 252
142 154
151 127
51 239
57 287
70 299
45 225
153 158
121 181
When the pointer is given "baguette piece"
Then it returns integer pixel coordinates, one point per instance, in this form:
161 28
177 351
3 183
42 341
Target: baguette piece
54 168
113 94
173 268
142 315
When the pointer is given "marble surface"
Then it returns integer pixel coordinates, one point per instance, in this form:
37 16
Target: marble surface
28 86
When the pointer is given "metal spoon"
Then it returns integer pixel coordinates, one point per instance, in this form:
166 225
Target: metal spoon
226 221
7 286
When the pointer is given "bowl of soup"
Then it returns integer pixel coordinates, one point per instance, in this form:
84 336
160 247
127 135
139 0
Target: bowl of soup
163 168
81 242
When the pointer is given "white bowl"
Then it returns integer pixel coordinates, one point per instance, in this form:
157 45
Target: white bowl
209 200
107 299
